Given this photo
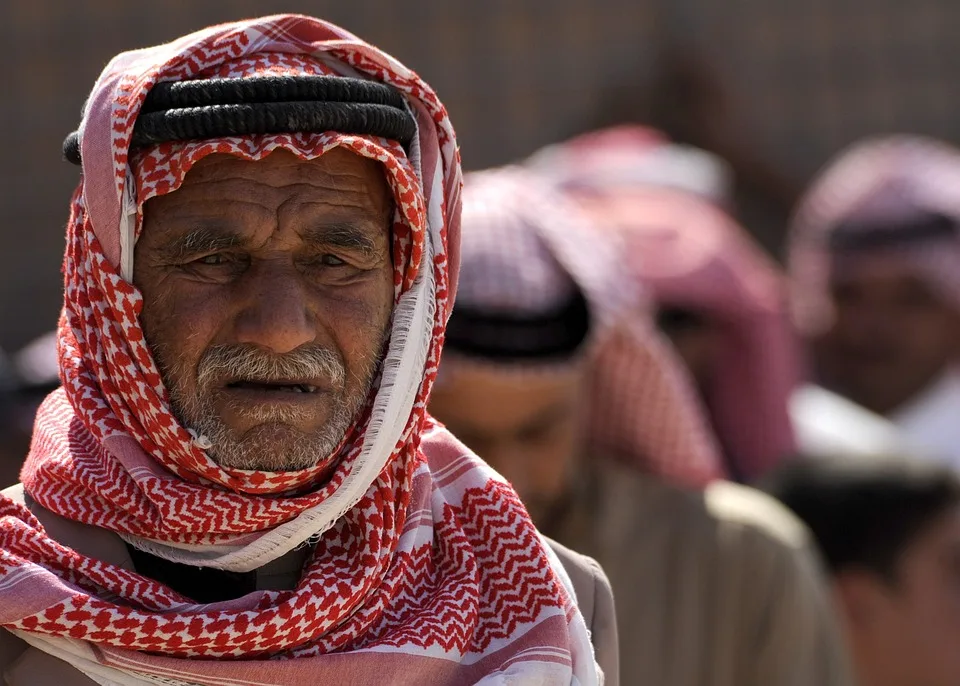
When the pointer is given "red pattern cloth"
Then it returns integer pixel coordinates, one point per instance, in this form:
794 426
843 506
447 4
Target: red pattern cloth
426 567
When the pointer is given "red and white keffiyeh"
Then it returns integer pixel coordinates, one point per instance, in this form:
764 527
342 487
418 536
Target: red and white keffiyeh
426 567
876 180
525 250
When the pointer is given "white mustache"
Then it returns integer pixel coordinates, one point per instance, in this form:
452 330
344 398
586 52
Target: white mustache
249 363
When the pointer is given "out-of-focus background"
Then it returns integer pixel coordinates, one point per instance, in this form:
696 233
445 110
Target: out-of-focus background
851 352
775 86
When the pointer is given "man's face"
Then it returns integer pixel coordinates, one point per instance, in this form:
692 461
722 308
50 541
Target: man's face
268 290
891 338
906 632
527 427
695 338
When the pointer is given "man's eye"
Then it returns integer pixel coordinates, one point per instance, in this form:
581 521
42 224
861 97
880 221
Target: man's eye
331 261
214 259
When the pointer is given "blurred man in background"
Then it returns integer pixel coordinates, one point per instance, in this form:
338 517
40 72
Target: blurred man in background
889 530
718 297
554 378
875 263
26 377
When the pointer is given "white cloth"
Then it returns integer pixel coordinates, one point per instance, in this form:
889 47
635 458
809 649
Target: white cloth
825 423
930 422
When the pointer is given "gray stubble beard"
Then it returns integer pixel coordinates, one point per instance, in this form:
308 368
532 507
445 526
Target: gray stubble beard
272 444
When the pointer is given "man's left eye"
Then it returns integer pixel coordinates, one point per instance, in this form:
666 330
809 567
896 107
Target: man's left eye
331 261
214 259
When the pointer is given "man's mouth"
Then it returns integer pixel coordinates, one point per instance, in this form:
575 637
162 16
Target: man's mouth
273 386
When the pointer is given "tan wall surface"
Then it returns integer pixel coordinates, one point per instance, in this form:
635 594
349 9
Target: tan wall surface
806 78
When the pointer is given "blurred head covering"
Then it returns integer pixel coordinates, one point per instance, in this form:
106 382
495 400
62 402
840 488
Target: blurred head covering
688 254
631 156
26 377
895 198
36 363
538 291
404 575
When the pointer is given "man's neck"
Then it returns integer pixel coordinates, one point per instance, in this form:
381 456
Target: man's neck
209 585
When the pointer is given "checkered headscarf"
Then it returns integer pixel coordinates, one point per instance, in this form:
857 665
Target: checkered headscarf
873 184
525 250
405 583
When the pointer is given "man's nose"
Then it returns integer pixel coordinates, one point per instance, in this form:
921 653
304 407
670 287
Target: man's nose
276 313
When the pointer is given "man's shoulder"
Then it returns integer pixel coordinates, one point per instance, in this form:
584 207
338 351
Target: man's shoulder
14 493
749 509
639 505
19 663
87 540
595 601
584 571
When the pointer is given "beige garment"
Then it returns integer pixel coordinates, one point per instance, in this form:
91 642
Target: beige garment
21 665
712 589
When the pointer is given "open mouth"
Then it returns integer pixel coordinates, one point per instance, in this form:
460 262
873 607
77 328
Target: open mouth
273 386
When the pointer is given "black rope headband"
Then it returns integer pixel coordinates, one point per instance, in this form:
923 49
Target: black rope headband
887 233
214 108
502 337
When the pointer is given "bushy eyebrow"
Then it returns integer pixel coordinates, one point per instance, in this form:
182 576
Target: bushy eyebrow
198 241
344 236
205 240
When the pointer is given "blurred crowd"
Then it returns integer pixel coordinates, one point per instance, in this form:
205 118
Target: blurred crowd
625 353
762 457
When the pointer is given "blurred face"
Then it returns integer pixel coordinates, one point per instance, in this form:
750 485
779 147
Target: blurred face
268 291
906 633
892 337
695 338
527 427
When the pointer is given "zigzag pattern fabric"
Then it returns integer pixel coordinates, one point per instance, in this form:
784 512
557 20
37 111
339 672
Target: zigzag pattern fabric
426 567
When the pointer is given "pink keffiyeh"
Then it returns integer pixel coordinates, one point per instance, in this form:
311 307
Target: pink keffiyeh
426 567
687 253
690 255
873 184
526 249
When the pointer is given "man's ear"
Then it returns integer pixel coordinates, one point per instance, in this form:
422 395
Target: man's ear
861 595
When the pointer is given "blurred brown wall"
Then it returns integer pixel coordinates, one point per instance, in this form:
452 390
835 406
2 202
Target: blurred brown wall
805 77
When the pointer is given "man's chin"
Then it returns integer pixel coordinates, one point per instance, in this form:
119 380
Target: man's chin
270 447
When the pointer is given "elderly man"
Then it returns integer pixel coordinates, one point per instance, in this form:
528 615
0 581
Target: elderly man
875 259
715 584
238 482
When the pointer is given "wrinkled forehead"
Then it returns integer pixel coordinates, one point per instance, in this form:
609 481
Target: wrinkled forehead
282 180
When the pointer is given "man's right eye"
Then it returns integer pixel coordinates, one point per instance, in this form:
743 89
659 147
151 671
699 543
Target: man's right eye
214 259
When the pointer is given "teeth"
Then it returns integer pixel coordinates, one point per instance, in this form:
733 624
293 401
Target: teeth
289 388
